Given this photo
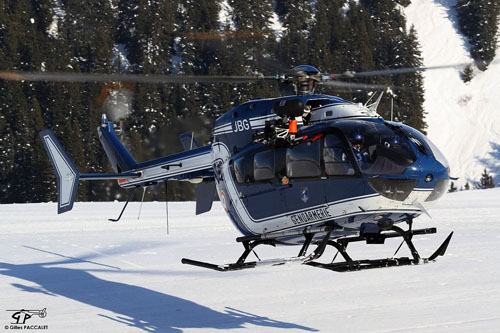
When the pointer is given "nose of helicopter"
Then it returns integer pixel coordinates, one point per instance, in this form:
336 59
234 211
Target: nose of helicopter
424 181
434 178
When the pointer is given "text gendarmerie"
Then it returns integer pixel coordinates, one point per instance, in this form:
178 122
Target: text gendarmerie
310 216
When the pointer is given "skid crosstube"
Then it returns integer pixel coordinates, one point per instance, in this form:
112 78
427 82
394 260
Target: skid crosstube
340 244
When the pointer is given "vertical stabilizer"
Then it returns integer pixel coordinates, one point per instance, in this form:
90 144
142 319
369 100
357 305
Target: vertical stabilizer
117 154
188 141
66 172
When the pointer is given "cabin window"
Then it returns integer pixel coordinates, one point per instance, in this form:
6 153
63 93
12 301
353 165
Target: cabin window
243 170
335 157
303 160
263 165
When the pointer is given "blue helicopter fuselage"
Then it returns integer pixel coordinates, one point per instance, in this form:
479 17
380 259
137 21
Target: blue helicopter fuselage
323 178
344 166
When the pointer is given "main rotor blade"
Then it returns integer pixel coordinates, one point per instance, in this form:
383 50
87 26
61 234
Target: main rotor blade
354 85
405 70
134 78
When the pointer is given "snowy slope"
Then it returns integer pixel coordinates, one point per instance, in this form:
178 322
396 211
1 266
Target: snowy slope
92 275
463 119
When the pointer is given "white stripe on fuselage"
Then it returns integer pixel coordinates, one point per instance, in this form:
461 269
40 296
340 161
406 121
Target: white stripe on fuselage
255 123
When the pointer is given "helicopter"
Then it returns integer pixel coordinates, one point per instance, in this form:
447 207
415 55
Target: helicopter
304 169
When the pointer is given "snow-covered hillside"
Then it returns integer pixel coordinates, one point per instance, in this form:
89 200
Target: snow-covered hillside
463 119
95 276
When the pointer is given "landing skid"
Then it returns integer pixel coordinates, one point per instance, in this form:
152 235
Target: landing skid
348 265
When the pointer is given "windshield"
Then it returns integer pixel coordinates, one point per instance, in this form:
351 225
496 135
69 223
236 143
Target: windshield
429 144
377 148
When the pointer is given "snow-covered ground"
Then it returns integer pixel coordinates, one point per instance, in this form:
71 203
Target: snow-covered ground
463 118
93 275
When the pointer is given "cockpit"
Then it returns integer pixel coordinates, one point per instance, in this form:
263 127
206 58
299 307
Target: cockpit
378 148
349 149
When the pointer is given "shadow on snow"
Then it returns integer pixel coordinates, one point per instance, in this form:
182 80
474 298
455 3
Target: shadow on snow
134 306
492 162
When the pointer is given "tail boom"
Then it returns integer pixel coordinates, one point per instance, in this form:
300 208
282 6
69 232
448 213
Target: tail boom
194 165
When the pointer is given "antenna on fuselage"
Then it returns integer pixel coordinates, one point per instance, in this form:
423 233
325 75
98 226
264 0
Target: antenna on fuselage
392 108
142 201
373 107
166 203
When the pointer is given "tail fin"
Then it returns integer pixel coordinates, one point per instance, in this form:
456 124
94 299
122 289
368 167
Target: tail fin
118 155
66 171
188 141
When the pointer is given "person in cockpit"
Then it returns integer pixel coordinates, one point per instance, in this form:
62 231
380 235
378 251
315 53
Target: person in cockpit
359 150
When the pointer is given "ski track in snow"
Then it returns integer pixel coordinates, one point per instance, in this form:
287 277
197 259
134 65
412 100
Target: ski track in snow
463 119
93 275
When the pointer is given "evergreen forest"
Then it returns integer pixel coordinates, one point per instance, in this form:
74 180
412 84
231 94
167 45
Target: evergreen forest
192 37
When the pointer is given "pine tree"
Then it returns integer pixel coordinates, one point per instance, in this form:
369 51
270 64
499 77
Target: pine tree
468 74
18 178
410 97
296 17
326 36
478 21
486 180
24 44
184 37
357 46
394 47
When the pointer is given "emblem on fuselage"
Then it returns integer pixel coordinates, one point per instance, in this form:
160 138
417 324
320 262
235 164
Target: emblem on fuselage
223 200
304 194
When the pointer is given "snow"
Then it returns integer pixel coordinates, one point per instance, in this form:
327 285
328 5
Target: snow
226 16
463 118
277 26
59 13
93 275
120 56
176 58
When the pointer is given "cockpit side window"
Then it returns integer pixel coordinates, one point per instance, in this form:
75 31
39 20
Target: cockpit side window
377 148
303 160
335 157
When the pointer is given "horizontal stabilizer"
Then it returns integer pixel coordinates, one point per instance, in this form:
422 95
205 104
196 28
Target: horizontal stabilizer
106 176
66 172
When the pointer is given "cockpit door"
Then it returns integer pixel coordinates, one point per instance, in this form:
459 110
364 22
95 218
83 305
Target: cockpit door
305 196
342 183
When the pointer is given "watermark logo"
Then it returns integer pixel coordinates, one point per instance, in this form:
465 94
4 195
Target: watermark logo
21 317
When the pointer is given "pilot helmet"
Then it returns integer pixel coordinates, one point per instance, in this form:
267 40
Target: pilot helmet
357 138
